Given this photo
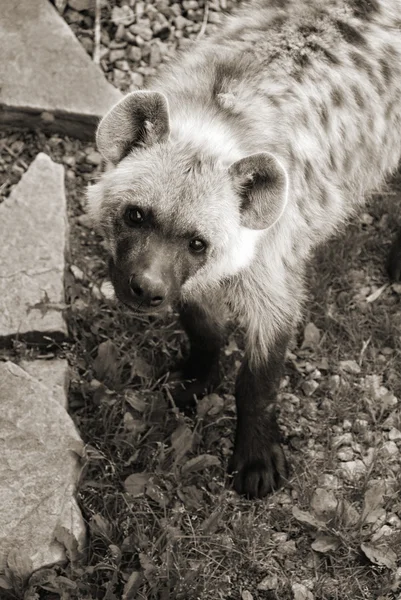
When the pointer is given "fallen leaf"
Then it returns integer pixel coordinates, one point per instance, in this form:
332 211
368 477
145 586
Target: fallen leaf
105 364
135 401
377 293
306 518
311 336
100 526
147 566
209 405
200 463
135 484
155 493
211 523
268 583
20 567
350 366
140 368
374 497
380 555
182 440
132 585
325 543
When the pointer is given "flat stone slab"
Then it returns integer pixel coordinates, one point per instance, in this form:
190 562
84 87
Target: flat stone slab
40 465
47 78
54 374
33 234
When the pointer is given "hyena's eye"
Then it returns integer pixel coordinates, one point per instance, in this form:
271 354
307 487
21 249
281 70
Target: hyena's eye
134 216
197 245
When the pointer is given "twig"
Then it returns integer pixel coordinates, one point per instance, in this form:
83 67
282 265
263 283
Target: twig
96 49
204 22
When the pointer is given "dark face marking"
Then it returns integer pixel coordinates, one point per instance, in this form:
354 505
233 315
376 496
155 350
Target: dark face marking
337 96
350 34
365 9
359 99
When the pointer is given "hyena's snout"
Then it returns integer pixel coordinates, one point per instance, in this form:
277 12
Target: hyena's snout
149 289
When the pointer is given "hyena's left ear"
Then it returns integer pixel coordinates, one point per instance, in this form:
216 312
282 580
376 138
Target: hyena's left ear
262 184
139 118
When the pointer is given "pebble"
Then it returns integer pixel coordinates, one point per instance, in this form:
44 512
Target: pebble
137 80
116 55
143 31
123 15
350 366
309 387
345 454
329 481
134 53
80 5
390 448
334 382
394 434
345 439
77 272
94 158
85 220
268 583
301 592
324 503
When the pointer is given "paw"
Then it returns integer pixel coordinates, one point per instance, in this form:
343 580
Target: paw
185 393
257 476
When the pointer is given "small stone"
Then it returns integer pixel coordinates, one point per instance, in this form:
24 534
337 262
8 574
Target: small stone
390 448
279 537
181 22
123 15
77 272
119 78
120 32
394 434
107 290
345 454
268 583
143 31
155 55
301 592
85 220
94 158
350 366
394 520
137 80
324 503
116 55
360 425
246 595
80 5
87 43
309 387
134 54
347 425
214 17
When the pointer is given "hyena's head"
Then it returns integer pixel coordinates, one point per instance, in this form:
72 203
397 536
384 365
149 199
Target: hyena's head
176 219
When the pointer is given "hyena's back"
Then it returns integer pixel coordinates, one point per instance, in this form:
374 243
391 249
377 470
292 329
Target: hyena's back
317 82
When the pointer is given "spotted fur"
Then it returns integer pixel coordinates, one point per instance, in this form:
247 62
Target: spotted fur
316 84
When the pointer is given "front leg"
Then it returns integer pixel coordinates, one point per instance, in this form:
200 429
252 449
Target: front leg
258 462
204 326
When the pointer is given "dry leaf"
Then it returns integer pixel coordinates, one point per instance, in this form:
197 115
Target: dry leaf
373 498
311 336
140 368
135 401
306 518
155 493
135 484
105 364
182 440
210 524
325 543
132 585
210 404
100 526
380 555
20 567
147 566
199 463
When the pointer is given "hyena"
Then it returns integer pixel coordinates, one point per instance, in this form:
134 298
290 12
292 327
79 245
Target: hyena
247 151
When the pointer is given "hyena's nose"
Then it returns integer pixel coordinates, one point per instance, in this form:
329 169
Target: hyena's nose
148 290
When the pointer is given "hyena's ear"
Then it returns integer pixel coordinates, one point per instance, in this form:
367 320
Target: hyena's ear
139 118
261 183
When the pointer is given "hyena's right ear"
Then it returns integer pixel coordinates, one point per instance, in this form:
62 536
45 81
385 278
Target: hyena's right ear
139 118
261 182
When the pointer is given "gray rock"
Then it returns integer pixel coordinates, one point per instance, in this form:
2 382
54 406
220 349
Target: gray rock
54 374
33 231
40 450
80 5
56 77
